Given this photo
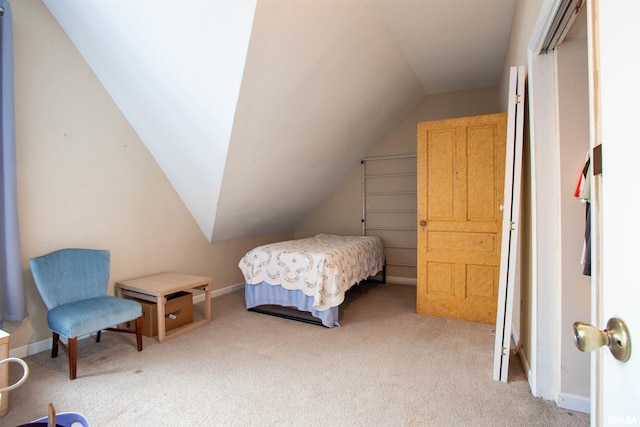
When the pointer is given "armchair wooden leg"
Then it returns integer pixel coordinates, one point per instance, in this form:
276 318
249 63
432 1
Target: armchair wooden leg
139 332
73 357
54 346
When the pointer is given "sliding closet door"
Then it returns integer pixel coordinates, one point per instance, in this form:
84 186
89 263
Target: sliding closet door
460 191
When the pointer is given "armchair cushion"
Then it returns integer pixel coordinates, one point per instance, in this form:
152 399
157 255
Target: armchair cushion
68 275
83 317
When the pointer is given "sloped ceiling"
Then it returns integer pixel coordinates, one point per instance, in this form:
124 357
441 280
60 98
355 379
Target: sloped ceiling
174 69
253 152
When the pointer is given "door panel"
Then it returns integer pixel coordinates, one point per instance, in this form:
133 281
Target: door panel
441 174
460 189
613 37
481 168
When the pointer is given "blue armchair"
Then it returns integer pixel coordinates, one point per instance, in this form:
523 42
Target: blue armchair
73 285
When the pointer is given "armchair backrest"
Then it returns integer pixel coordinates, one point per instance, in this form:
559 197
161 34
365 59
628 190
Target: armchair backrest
69 275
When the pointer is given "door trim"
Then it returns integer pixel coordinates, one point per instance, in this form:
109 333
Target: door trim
544 339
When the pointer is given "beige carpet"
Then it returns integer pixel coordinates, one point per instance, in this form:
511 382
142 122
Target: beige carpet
386 366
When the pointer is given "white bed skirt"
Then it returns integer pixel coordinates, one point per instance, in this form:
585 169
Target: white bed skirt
264 293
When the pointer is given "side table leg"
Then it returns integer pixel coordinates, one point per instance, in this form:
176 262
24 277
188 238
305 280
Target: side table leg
161 325
207 301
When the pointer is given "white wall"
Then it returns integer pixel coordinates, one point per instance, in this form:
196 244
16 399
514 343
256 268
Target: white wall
524 19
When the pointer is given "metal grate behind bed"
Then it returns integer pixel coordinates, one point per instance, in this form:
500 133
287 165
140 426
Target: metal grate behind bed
389 209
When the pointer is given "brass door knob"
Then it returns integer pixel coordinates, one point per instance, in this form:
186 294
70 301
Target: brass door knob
616 337
423 223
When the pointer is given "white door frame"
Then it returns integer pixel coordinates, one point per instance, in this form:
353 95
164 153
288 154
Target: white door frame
545 225
545 358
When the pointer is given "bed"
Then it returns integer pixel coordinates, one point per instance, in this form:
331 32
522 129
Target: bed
310 275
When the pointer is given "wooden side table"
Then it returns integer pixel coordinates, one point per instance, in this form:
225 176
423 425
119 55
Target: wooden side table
155 288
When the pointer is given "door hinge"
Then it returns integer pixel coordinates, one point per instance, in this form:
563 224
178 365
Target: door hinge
517 98
597 159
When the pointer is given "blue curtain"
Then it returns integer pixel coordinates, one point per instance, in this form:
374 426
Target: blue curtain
12 299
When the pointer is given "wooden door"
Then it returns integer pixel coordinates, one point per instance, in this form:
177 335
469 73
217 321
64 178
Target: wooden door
460 190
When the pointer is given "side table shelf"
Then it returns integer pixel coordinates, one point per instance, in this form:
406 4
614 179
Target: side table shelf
155 289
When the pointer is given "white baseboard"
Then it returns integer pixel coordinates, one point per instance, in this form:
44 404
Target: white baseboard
219 292
564 400
29 349
526 366
516 335
402 280
574 402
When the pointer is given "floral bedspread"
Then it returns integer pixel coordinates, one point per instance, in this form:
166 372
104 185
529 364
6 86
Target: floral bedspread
324 266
